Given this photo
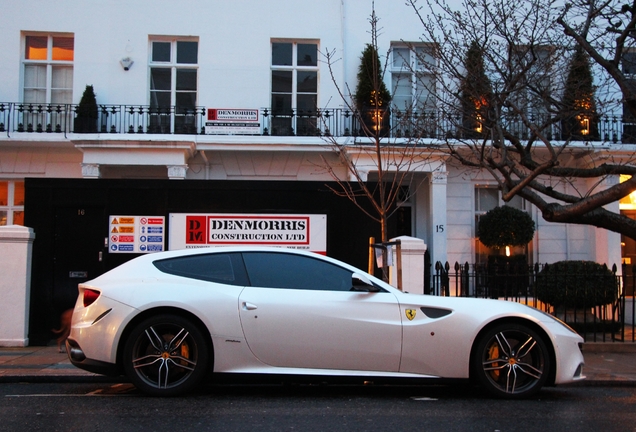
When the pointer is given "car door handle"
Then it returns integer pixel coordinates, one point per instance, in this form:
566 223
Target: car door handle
249 306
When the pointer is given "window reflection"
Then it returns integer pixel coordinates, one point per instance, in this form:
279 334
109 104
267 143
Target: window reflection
281 54
63 48
187 52
307 54
161 51
36 48
4 193
18 193
18 218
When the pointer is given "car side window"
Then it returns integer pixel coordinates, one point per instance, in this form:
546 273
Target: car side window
216 267
284 270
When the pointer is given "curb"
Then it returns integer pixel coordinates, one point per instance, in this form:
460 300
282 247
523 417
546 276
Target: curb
99 379
601 383
60 379
609 347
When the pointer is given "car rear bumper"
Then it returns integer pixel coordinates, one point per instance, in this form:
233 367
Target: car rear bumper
78 359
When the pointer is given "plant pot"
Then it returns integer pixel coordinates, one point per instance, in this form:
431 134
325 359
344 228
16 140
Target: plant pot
85 125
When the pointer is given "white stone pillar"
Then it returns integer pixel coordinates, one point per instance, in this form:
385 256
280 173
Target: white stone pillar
438 221
412 250
16 245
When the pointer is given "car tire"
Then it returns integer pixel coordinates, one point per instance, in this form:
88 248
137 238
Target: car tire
511 361
166 355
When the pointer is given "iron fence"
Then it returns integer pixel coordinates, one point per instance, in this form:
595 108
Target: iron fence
613 321
338 122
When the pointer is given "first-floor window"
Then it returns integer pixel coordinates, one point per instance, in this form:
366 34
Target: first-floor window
48 68
173 85
11 202
47 78
412 78
294 87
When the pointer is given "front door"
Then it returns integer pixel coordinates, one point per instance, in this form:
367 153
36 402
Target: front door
79 251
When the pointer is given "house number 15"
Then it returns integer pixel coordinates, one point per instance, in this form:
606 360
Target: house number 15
439 228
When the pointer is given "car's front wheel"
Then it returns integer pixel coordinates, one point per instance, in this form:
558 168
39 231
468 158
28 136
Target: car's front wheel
166 355
512 361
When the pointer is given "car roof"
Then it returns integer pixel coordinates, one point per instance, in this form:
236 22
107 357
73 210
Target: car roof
226 249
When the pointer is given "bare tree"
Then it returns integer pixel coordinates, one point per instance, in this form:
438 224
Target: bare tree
527 47
372 166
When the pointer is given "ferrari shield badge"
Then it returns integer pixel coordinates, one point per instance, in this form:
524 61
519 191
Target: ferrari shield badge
410 314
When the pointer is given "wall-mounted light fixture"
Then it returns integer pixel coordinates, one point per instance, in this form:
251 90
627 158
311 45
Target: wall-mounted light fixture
126 63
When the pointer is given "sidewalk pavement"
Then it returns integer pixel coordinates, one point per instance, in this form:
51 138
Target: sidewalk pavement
606 364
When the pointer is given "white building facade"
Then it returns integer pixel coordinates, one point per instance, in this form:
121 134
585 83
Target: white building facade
163 70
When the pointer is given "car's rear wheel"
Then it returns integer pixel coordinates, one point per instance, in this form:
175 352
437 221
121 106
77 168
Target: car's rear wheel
166 355
512 361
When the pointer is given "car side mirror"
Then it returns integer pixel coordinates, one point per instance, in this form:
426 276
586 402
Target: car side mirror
360 282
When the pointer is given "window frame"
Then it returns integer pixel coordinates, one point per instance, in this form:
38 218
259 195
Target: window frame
420 65
8 211
540 73
49 64
295 119
295 69
174 117
173 65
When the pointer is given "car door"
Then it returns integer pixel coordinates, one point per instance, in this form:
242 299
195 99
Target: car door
300 312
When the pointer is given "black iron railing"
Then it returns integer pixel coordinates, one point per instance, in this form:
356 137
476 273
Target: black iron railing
614 321
338 122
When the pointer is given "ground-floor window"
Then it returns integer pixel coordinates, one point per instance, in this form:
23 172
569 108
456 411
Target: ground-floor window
11 202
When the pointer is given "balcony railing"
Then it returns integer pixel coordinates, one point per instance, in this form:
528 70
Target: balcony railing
338 122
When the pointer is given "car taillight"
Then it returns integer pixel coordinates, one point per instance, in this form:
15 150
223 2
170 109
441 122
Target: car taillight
90 296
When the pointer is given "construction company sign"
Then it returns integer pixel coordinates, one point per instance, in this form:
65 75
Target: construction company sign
136 234
292 231
225 121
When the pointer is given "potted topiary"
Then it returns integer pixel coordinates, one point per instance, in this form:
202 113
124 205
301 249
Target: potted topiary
499 228
574 287
371 97
86 112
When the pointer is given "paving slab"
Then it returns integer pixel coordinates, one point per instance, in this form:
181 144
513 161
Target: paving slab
606 363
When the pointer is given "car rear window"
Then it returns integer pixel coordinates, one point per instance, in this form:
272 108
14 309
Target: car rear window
216 267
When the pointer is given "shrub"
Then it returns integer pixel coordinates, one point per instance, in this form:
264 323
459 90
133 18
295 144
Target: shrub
371 97
505 226
507 276
576 284
86 120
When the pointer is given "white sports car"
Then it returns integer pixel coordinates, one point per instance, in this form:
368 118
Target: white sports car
169 319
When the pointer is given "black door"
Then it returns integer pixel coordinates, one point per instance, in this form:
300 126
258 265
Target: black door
79 251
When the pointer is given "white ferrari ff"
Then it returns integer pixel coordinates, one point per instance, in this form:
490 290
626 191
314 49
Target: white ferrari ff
167 320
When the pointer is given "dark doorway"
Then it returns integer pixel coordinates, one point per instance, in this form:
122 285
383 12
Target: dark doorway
79 251
70 219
